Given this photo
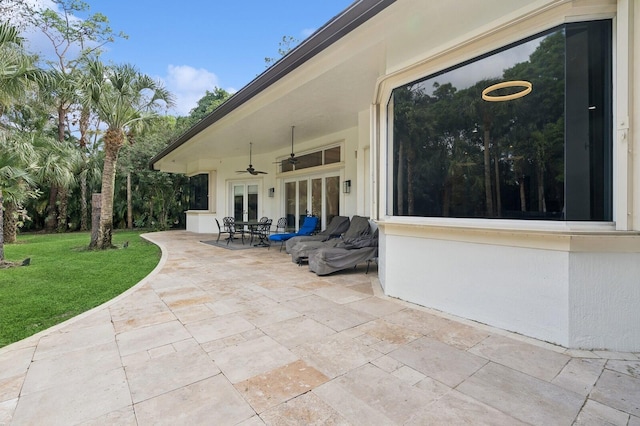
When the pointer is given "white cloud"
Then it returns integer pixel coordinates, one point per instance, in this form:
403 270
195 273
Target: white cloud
188 85
36 40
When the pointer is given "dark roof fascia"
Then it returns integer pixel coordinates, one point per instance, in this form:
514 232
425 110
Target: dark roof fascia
352 17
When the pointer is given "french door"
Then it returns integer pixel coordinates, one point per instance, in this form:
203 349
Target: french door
313 195
245 201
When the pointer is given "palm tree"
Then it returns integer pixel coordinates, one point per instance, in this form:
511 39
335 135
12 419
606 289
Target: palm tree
17 71
57 166
17 74
17 160
125 100
60 92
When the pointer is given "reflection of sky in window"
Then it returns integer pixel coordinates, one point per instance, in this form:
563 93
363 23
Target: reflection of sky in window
491 67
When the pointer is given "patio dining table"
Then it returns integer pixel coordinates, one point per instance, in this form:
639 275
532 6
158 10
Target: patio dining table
253 226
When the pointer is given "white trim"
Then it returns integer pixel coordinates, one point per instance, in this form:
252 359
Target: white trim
458 52
622 144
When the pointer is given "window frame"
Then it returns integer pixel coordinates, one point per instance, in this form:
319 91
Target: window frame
192 192
384 130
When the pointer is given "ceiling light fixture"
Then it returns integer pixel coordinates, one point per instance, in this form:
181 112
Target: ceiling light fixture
528 87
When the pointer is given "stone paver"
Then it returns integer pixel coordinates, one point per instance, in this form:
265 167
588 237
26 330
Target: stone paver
246 337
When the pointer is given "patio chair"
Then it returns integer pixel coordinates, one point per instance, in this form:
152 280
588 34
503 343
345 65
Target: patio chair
347 254
224 230
358 226
229 224
281 226
336 227
262 231
307 228
254 231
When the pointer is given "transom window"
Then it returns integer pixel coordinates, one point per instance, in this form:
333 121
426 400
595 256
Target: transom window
524 132
313 159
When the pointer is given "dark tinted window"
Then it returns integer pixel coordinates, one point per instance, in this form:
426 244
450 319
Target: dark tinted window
199 192
524 132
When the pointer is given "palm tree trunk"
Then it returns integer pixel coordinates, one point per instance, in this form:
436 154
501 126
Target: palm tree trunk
542 205
63 196
113 140
496 169
487 173
410 193
1 227
84 127
84 222
129 203
523 195
51 218
400 180
10 225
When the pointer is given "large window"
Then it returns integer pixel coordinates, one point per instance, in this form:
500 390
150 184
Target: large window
199 192
524 132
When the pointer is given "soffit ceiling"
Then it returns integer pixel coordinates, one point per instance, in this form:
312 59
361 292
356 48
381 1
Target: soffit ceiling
326 93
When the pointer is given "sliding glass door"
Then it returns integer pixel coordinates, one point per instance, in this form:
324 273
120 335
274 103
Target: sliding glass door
314 195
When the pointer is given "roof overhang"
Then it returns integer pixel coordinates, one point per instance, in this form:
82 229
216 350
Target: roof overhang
313 100
323 85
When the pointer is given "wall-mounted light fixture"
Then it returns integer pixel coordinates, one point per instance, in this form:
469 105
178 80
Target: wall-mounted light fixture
272 192
346 186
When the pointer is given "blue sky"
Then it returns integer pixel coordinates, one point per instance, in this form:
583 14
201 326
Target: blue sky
196 45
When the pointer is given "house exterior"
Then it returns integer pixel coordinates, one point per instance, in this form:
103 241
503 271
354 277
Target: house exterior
493 142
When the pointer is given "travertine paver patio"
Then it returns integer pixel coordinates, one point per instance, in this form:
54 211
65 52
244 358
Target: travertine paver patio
222 337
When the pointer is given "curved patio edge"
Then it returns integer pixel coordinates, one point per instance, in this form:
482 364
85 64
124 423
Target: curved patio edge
28 341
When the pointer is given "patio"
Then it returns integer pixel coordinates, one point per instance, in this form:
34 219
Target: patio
227 337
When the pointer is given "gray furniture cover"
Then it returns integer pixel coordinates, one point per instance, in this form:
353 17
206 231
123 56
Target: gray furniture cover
344 255
358 227
337 226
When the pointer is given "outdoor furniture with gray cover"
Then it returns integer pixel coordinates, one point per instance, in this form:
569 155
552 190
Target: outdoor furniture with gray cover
346 254
336 227
308 227
358 226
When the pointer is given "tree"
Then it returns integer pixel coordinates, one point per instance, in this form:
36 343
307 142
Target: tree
284 46
17 72
206 104
125 100
16 183
17 75
72 40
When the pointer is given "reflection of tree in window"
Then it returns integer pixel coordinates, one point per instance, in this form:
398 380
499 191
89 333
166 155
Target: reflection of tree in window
457 155
332 199
199 192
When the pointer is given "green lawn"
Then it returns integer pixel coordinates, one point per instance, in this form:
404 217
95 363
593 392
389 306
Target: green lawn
66 279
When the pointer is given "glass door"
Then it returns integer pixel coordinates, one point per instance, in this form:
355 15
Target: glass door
318 195
245 202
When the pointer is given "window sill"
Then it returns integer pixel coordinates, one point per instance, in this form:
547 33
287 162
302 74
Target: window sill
560 236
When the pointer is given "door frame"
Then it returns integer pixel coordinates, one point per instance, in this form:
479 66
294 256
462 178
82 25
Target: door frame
309 178
230 208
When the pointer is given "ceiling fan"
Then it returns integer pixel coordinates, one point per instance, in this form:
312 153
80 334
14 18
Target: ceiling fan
250 169
292 158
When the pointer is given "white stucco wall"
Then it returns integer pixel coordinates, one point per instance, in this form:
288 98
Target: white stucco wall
517 289
201 222
574 299
604 299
